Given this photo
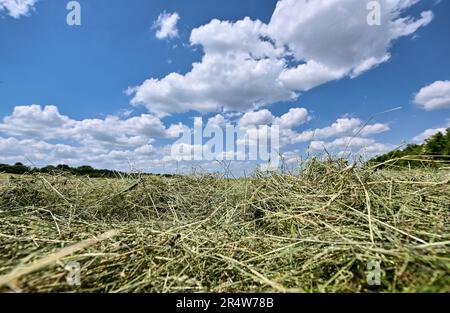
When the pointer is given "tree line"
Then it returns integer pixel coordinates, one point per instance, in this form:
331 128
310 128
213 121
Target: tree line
84 170
436 147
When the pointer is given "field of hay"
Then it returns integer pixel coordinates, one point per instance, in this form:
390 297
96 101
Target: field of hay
315 230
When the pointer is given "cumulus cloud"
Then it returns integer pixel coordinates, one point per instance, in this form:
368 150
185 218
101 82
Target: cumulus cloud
45 136
344 126
47 123
427 134
349 145
369 130
309 75
294 118
247 63
166 25
435 96
334 36
218 121
42 153
234 82
34 121
341 130
17 8
262 117
14 150
430 132
176 129
244 36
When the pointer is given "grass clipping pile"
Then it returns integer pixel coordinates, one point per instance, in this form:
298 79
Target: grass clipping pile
313 231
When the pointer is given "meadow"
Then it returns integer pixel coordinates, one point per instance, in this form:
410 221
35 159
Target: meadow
320 228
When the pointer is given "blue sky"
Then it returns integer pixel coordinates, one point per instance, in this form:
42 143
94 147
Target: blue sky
350 72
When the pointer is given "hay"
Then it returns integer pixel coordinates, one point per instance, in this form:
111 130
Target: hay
315 230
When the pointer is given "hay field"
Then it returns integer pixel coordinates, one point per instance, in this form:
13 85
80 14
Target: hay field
315 230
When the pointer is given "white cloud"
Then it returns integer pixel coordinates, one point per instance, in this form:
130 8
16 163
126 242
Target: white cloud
435 96
35 121
291 157
120 132
430 132
41 153
368 130
17 8
45 136
234 82
47 123
351 145
309 75
166 25
427 134
176 129
246 63
342 126
262 117
334 36
243 36
295 117
37 150
218 120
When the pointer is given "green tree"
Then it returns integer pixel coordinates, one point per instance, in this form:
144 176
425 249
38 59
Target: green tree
436 144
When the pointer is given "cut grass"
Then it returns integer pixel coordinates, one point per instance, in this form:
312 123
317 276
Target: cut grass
312 231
